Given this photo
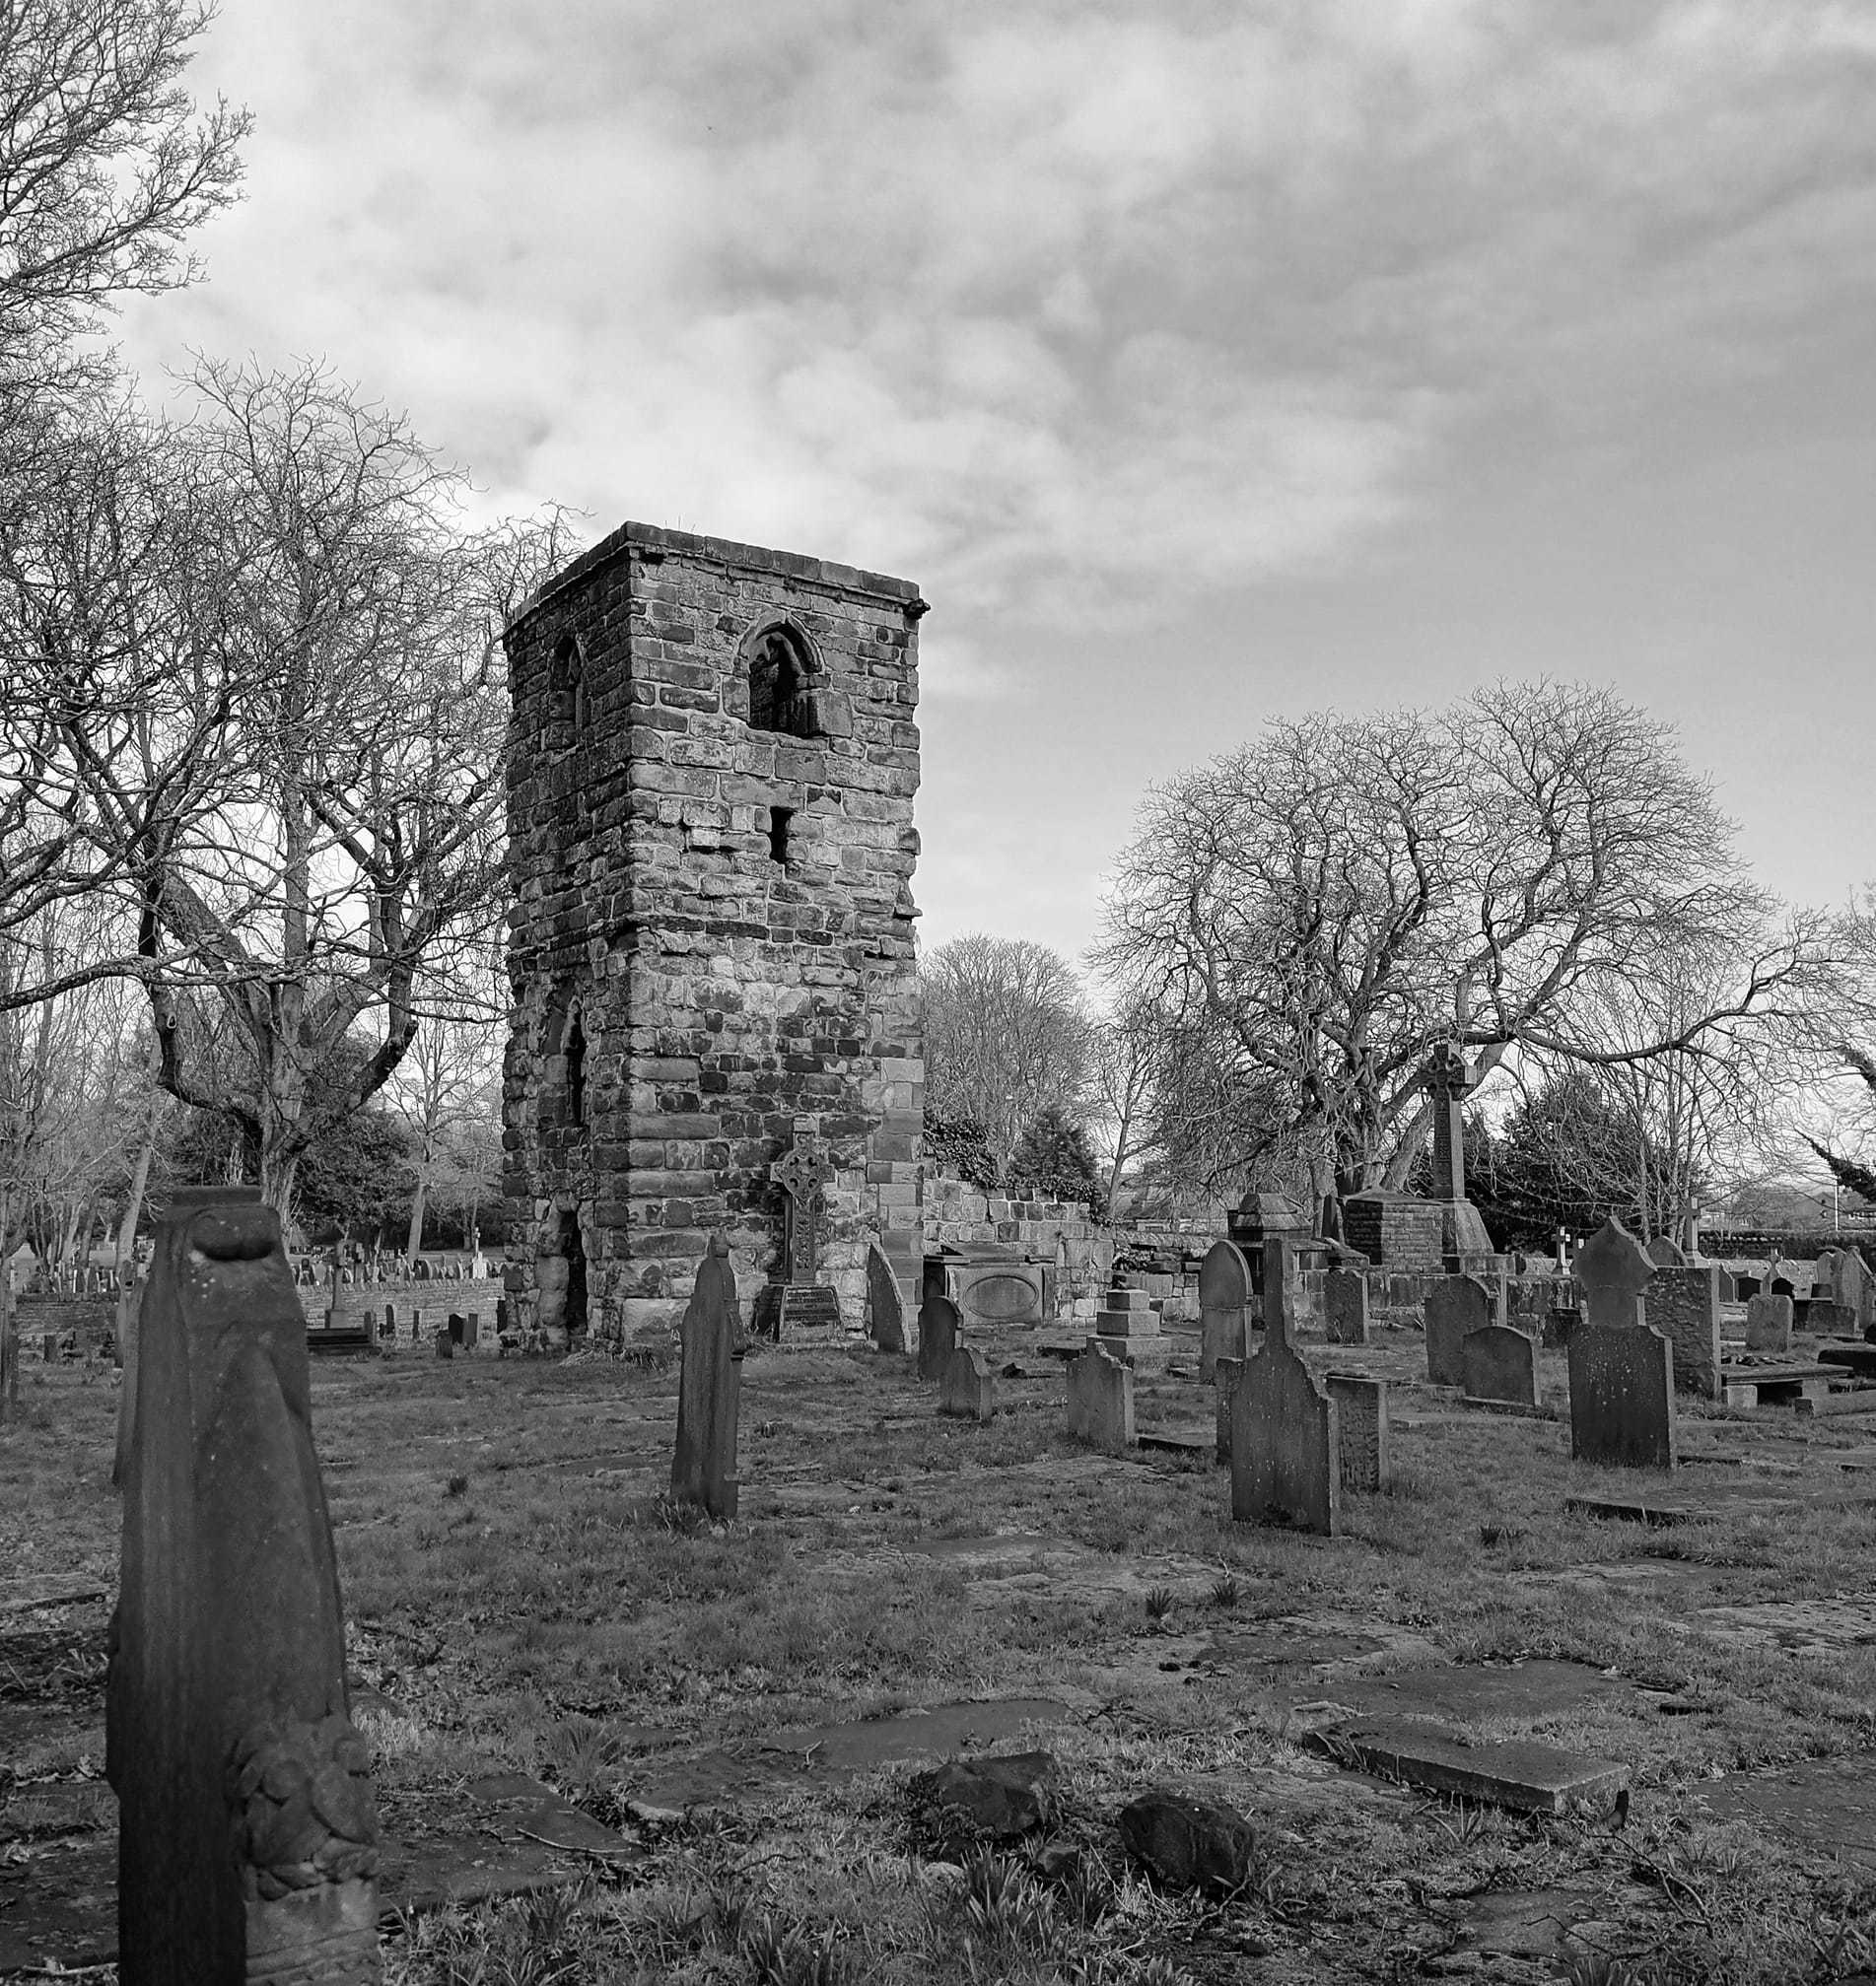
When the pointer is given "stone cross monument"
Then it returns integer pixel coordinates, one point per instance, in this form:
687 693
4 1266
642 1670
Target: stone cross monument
803 1174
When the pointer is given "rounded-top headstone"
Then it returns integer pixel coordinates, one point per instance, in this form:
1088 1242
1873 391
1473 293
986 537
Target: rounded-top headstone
1224 1277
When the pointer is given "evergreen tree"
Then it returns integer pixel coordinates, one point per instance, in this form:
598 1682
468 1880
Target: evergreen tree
1053 1160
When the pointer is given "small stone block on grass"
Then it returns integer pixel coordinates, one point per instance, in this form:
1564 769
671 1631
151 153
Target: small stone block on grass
1188 1842
1518 1773
966 1388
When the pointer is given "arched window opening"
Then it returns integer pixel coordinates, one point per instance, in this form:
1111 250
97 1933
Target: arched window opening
779 698
575 1073
567 683
572 1252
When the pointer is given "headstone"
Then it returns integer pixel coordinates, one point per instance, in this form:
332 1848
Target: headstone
1613 1271
1843 1296
1345 1306
446 1344
1360 1431
965 1388
246 1831
1101 1401
1769 1324
886 1307
1500 1363
709 1388
1224 1307
1666 1253
390 1321
802 1175
1455 1306
1225 1381
471 1331
1684 1307
1622 1396
1286 1468
937 1336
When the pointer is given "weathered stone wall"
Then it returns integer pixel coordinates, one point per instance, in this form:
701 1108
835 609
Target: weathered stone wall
712 949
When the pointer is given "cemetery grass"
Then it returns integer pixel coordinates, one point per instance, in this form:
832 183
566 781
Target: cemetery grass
520 1596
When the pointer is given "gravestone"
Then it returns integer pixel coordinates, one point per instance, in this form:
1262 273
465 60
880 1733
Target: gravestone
389 1326
1769 1324
1455 1305
471 1331
965 1387
886 1307
1500 1363
1345 1306
248 1840
803 1174
1665 1253
937 1336
1225 1381
1224 1307
1842 1296
1101 1401
1613 1269
1684 1307
709 1389
1286 1468
446 1344
1360 1431
1622 1396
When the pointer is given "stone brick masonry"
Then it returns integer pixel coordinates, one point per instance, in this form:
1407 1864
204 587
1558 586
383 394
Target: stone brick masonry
711 769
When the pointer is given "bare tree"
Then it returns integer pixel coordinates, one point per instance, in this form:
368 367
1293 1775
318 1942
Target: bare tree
263 697
1309 905
1005 1034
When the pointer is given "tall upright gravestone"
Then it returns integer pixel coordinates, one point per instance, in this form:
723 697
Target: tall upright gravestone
1286 1466
1224 1308
937 1335
1456 1305
1620 1369
710 1387
246 1830
884 1305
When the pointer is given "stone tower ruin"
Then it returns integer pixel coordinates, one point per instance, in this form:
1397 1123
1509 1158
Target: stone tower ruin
713 760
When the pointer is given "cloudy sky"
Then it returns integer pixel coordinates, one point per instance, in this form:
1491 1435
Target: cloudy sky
1202 362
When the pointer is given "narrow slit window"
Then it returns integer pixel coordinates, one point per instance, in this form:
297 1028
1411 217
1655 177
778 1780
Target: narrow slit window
778 821
575 1073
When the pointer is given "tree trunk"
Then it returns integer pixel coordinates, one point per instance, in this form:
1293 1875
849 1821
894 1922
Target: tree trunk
413 1245
9 1339
133 1204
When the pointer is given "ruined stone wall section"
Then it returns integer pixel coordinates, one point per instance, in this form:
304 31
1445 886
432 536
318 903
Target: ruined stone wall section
728 1000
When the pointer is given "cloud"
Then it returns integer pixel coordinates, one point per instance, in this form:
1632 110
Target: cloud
1062 309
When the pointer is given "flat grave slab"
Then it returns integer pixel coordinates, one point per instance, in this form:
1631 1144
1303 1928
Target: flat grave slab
1851 1353
1827 1804
1744 1384
1825 1626
1470 1693
1518 1773
677 1783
